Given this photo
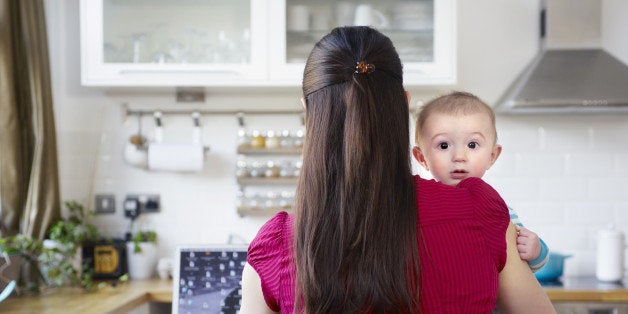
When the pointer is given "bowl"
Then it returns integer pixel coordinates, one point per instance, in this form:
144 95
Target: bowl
553 269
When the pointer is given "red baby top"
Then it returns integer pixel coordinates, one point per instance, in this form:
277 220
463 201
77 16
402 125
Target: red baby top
462 249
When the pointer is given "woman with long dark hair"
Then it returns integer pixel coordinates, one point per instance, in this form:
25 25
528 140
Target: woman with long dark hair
366 235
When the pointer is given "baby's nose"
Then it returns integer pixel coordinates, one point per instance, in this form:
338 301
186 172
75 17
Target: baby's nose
460 155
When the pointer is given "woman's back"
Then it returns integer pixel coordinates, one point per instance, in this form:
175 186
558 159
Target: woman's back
366 236
462 249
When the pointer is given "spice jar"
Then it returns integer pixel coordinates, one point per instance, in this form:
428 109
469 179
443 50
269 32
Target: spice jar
285 140
257 139
242 171
244 139
272 141
298 138
272 171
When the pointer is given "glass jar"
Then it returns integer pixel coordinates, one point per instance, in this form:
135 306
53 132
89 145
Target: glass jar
257 139
256 170
272 141
242 170
298 138
272 170
244 139
285 140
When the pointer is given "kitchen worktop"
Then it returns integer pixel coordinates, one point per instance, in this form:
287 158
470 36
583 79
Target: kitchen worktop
120 299
129 295
587 289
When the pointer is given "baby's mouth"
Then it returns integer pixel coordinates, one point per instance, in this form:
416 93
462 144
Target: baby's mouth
459 174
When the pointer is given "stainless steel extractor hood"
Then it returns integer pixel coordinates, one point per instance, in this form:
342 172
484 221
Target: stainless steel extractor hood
568 80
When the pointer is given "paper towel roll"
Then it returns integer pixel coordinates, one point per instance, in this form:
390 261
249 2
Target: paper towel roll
175 157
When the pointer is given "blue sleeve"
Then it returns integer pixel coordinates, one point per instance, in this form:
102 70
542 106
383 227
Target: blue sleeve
540 261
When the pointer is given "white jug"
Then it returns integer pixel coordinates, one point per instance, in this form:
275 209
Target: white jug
365 15
610 255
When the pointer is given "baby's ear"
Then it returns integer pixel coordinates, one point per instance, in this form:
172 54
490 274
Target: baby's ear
497 150
418 155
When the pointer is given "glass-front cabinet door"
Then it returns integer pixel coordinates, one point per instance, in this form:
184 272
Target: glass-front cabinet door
251 42
172 43
423 31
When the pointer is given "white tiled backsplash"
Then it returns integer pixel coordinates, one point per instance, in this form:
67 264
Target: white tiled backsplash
565 176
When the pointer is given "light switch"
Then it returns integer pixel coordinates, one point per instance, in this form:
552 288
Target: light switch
105 203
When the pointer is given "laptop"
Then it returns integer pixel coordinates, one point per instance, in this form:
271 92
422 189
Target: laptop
207 278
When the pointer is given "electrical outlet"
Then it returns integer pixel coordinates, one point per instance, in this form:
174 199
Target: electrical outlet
146 203
131 207
105 203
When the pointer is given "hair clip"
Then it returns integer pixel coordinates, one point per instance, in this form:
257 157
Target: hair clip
361 67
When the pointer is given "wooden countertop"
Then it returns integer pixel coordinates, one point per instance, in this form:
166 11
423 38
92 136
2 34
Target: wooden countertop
587 289
134 293
121 299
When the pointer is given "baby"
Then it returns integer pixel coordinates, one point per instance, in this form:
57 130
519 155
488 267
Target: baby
456 139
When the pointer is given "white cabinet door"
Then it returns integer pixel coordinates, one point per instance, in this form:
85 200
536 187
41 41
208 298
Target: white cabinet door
173 43
251 42
423 31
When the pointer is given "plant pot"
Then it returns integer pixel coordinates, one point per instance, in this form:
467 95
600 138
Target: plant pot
141 265
10 274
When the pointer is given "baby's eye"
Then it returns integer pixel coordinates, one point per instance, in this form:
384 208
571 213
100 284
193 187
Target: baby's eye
473 145
443 145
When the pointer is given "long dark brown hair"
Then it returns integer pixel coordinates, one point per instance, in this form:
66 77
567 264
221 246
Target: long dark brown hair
356 216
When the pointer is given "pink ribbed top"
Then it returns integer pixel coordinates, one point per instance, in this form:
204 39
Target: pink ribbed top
462 249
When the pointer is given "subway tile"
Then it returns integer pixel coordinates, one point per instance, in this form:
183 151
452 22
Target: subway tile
565 239
621 164
606 135
608 189
504 166
562 188
587 214
581 263
515 188
538 214
564 138
589 164
621 213
540 164
517 140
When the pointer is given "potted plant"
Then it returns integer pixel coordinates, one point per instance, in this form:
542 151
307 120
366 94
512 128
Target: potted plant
57 260
62 257
142 254
21 251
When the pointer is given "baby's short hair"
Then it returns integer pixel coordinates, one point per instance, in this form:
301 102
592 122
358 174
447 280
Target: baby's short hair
454 103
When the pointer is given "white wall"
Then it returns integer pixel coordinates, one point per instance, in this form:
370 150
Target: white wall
564 174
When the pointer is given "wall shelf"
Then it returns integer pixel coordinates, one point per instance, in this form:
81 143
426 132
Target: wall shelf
261 211
248 150
262 181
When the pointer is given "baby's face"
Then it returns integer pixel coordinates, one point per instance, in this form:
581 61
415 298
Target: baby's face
455 147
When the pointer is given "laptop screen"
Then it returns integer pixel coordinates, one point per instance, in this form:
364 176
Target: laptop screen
207 279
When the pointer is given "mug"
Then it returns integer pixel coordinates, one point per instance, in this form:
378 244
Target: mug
610 255
365 15
298 18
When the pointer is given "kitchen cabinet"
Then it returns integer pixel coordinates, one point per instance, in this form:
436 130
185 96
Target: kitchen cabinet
250 42
422 31
172 43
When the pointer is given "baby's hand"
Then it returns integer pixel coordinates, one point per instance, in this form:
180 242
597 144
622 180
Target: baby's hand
528 244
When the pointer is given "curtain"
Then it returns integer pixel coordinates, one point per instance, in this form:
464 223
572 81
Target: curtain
29 179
